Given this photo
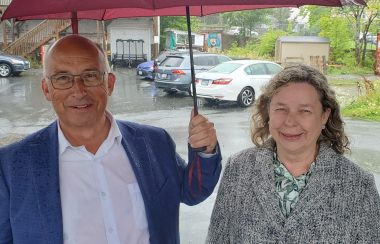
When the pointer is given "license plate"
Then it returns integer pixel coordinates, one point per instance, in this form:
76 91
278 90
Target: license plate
204 82
140 72
164 76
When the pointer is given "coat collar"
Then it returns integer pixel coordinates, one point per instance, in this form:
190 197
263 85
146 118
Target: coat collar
311 197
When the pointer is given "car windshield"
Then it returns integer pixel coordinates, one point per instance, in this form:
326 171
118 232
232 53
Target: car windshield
172 61
225 68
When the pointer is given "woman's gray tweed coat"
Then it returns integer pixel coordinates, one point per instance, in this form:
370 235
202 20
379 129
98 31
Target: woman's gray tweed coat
340 203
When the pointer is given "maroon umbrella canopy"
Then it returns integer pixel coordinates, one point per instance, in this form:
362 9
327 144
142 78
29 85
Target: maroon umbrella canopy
110 9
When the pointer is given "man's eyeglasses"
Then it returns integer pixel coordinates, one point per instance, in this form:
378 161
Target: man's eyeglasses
64 81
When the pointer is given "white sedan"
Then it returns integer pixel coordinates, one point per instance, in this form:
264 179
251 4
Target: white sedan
237 80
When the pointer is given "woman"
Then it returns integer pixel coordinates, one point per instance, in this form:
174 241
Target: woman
296 186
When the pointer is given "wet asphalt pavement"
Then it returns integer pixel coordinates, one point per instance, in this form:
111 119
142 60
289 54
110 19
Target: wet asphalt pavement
24 110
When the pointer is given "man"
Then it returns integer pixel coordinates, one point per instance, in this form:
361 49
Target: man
88 178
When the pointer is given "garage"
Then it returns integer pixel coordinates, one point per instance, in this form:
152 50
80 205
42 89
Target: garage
130 40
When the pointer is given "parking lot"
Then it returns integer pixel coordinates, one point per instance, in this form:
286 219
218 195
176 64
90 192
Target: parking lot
23 110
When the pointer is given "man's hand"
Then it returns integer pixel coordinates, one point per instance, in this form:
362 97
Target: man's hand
202 133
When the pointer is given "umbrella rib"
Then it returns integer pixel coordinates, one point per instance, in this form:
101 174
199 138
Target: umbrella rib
104 13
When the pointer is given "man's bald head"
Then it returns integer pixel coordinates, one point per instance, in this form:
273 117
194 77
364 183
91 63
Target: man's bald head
73 45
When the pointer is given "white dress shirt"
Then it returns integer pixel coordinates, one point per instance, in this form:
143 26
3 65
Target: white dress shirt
101 200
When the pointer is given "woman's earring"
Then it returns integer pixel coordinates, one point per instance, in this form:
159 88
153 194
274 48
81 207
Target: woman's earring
323 127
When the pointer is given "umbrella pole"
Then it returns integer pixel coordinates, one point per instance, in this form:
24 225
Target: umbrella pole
194 93
74 22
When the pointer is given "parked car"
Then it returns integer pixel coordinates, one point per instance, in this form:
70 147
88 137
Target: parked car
12 65
146 69
174 73
237 80
370 38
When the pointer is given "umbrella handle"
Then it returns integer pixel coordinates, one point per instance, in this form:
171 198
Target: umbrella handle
199 149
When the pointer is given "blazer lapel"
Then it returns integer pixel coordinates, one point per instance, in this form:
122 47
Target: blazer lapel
264 183
142 154
315 192
148 173
44 163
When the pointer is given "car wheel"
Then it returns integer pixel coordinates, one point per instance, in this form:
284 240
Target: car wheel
5 70
246 97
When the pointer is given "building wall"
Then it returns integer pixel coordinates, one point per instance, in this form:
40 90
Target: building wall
300 52
20 29
136 28
131 28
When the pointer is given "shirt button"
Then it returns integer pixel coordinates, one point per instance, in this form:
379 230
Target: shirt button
110 230
103 194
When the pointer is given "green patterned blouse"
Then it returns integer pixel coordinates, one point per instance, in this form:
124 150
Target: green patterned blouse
287 186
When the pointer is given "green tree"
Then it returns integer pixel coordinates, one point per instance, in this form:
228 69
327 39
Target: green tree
267 42
280 18
361 19
314 14
337 29
248 20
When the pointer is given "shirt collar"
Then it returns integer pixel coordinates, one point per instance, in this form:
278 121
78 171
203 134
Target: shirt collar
113 134
281 170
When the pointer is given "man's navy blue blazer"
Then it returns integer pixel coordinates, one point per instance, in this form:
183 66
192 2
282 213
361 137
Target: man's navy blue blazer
30 204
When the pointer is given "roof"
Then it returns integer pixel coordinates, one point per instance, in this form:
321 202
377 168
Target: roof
299 39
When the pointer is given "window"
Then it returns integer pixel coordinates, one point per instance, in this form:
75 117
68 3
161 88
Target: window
273 69
183 39
225 68
256 69
223 59
172 61
205 61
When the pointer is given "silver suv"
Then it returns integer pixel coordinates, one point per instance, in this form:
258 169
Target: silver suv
174 74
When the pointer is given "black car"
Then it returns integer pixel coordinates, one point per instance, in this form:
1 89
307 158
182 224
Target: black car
12 65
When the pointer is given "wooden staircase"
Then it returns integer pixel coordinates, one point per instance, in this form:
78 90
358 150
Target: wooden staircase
39 35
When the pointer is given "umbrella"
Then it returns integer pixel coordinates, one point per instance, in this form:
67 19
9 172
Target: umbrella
102 9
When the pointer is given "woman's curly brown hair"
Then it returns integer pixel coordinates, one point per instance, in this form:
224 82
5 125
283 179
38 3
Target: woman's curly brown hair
334 129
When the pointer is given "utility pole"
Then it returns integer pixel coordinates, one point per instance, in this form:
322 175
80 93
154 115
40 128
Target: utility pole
156 37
